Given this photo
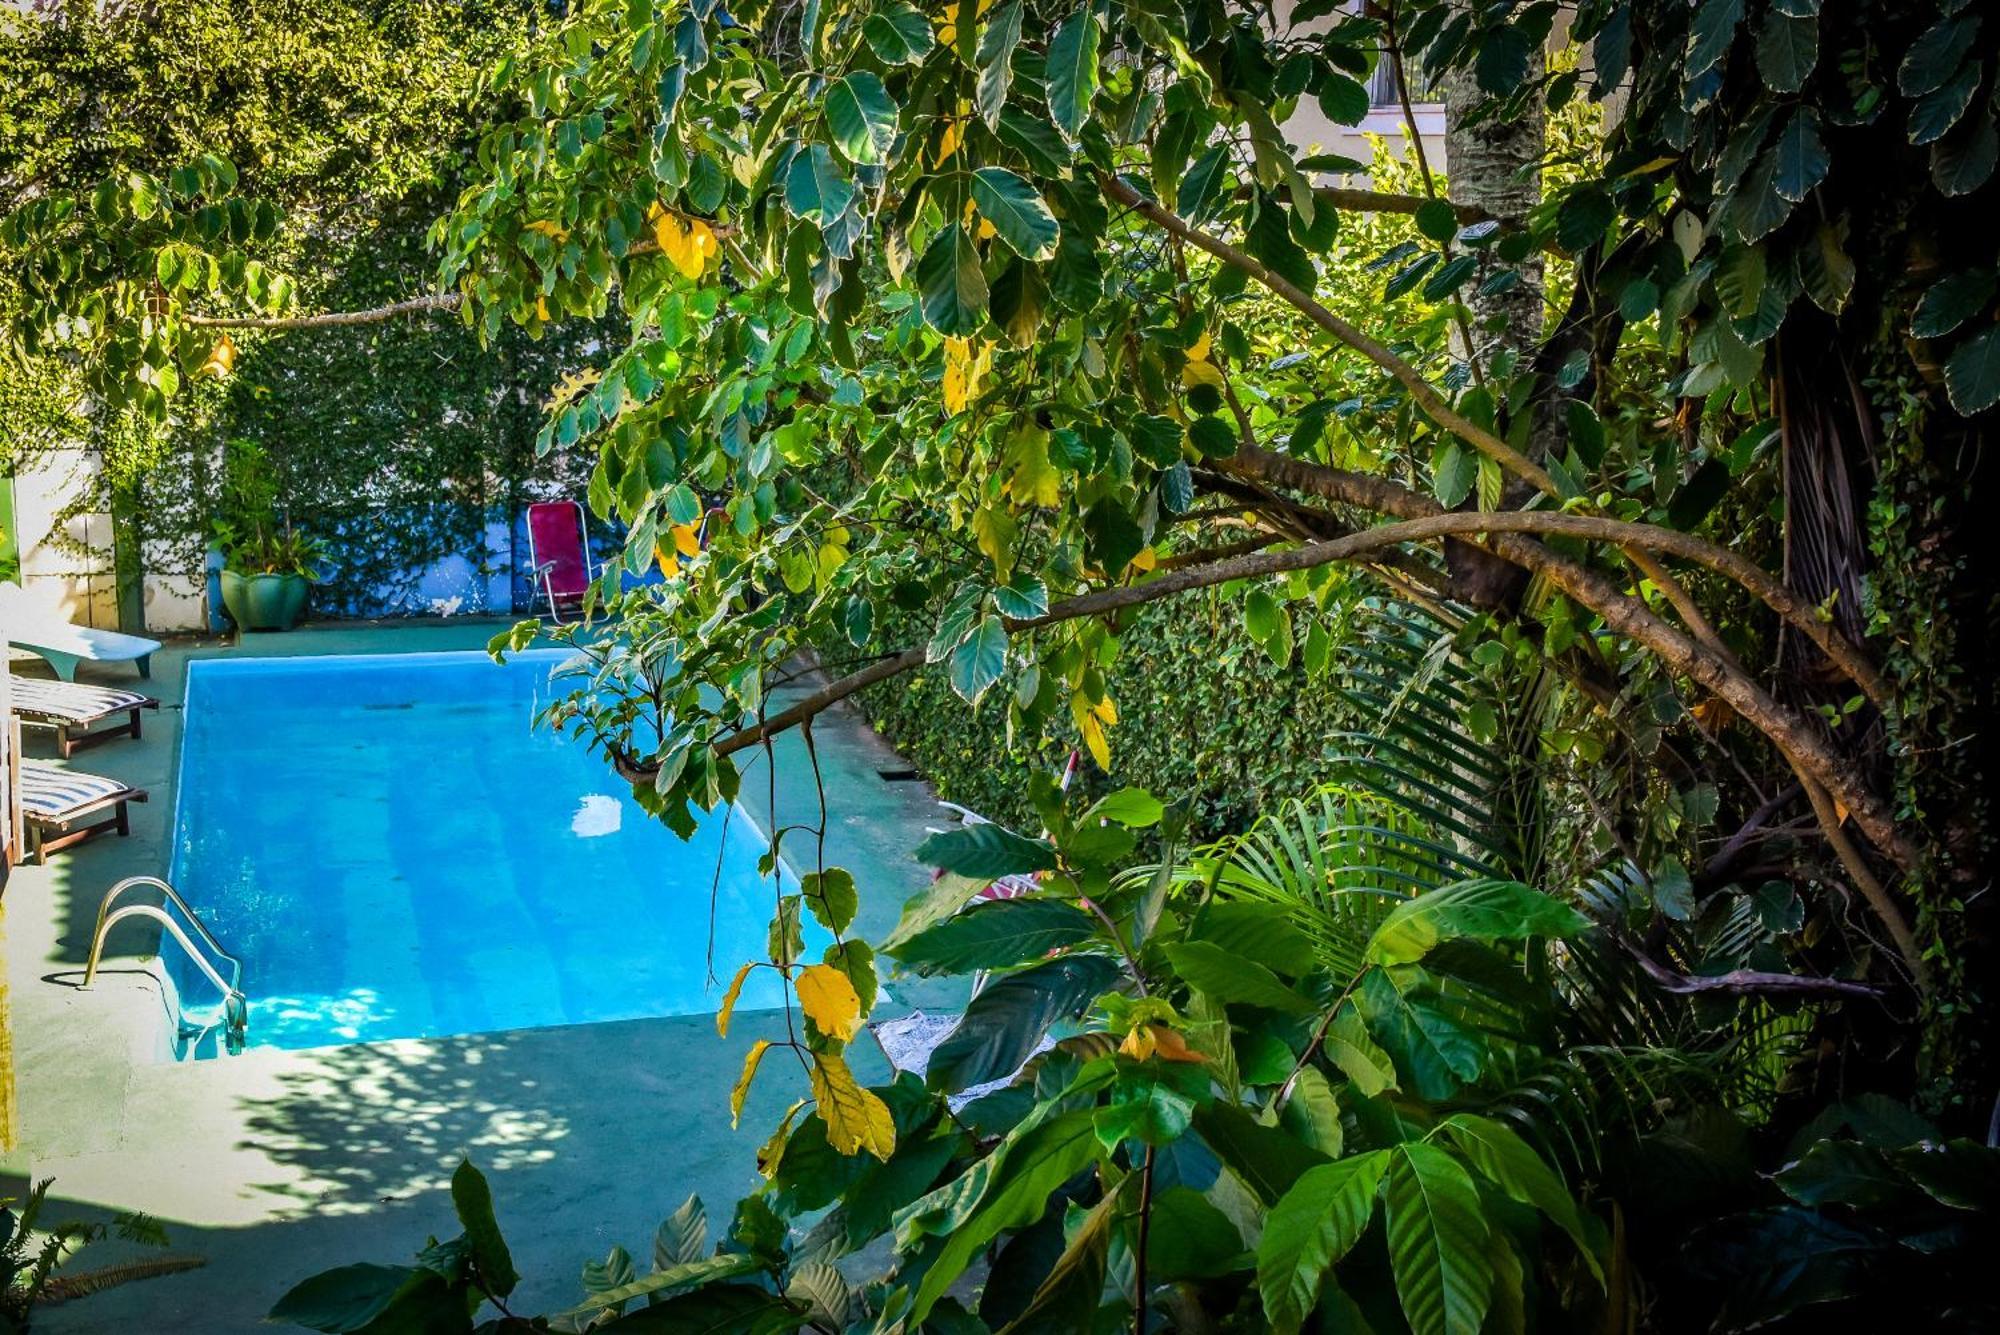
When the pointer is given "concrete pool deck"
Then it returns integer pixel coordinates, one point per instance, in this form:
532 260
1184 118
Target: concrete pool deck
277 1164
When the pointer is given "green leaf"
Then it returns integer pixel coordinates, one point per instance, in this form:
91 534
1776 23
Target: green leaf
951 284
1936 55
1787 50
1003 1024
1713 33
1453 469
1343 100
1450 277
700 1271
1029 1172
1972 373
1349 1047
1261 614
1266 1159
1189 1239
1072 71
979 660
1935 113
1504 1159
1207 967
1431 1049
1203 183
1437 219
1583 216
1437 1242
716 1309
1134 808
1501 57
1307 1232
997 41
1964 160
1151 1102
1261 932
1841 1172
832 897
985 851
862 117
1801 158
473 1200
1482 910
899 35
382 1299
1016 211
996 935
1950 302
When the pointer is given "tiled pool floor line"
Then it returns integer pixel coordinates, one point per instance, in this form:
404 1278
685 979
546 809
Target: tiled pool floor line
281 1162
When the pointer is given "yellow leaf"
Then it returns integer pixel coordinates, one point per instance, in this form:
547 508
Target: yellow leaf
772 1152
221 358
994 529
687 539
1169 1046
690 244
1145 560
948 142
855 1119
987 231
542 308
1107 711
668 565
1199 352
1093 738
547 229
828 998
1201 373
965 366
729 999
742 1090
1138 1044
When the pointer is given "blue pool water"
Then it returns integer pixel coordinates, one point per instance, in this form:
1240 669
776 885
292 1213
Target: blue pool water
394 850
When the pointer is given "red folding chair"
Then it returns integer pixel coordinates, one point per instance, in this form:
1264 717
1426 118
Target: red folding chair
559 545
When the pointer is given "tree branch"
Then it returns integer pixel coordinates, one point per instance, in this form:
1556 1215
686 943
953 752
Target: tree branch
430 302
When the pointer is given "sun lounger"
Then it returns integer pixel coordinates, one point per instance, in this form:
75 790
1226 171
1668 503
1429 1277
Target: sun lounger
56 805
74 709
29 626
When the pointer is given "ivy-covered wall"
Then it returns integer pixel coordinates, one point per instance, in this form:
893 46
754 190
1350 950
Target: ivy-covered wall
1203 713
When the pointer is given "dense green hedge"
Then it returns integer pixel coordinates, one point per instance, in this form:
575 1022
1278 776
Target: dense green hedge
1204 713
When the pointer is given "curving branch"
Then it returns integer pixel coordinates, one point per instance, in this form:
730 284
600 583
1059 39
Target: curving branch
424 305
1419 389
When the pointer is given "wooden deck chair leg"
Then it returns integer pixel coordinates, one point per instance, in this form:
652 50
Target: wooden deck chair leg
145 670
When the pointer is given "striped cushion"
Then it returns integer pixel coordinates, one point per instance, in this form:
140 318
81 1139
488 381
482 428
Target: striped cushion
73 702
51 793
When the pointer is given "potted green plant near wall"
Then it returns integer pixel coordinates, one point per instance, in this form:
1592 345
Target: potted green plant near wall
270 566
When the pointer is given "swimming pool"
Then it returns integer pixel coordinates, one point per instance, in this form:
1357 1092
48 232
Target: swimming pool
394 850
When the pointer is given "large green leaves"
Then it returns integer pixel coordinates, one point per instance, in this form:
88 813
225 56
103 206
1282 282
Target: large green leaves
951 284
997 41
1437 1242
899 35
1310 1229
862 117
1483 910
1504 1159
1016 211
995 936
1003 1025
985 851
1028 1173
1072 70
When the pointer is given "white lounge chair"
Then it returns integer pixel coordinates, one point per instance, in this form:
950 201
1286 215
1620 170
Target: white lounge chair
56 802
74 709
64 644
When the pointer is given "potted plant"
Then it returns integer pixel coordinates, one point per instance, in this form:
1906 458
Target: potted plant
269 566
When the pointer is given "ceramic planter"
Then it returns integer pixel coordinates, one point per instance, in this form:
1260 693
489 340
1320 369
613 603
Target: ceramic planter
264 602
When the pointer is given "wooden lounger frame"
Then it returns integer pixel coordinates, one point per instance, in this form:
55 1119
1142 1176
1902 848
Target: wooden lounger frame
51 834
73 735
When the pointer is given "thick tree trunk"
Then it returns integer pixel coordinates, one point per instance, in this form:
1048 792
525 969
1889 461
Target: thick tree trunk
1493 163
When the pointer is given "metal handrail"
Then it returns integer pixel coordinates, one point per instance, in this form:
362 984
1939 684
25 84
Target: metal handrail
229 990
174 897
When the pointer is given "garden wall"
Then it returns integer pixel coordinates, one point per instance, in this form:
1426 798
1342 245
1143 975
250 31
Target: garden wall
1203 713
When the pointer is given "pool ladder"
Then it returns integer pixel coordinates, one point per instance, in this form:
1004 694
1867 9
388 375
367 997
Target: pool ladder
235 1007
